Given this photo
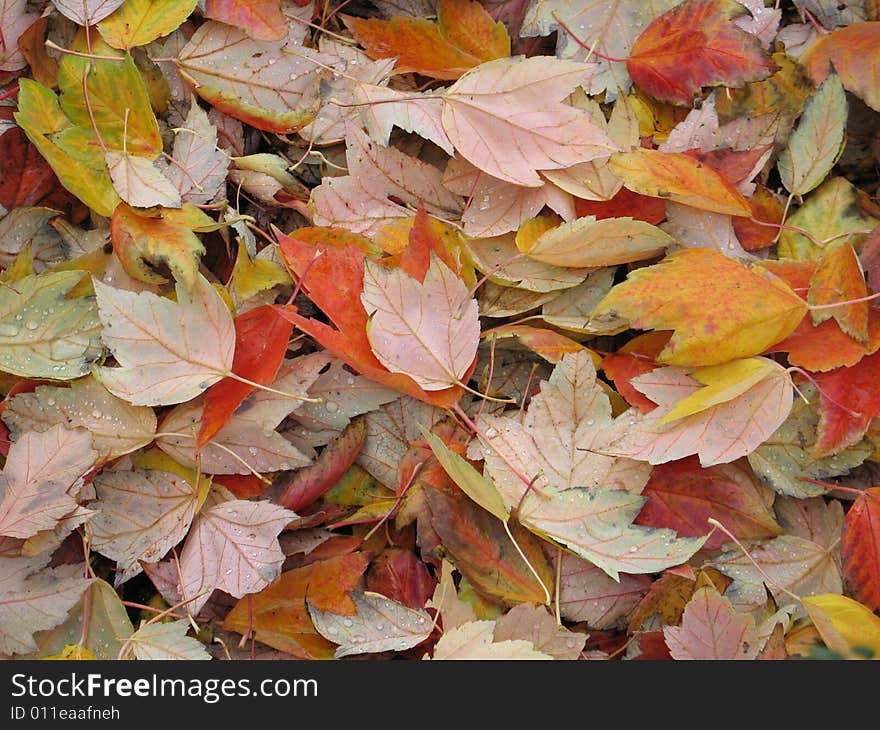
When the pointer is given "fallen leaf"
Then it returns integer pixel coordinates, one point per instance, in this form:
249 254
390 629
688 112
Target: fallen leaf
427 330
142 514
43 334
35 599
379 625
232 547
400 575
138 22
41 479
839 278
87 12
166 641
116 427
161 345
678 177
495 115
528 622
464 36
261 19
683 496
858 545
851 51
751 312
201 167
815 145
695 45
139 183
845 625
712 629
476 640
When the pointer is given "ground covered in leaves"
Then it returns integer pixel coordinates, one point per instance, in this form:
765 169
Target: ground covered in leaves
517 330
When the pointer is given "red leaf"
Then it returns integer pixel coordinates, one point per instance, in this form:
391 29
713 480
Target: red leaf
416 258
682 496
735 165
334 283
860 547
869 255
260 19
400 575
694 45
625 203
858 387
261 338
243 486
308 484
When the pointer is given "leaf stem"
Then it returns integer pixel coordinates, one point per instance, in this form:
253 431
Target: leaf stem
259 386
93 56
192 437
547 598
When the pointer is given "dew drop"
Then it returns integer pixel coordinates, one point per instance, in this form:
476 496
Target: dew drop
348 623
331 407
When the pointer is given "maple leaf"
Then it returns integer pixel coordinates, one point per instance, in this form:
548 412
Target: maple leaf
15 20
695 45
232 546
498 118
35 599
721 412
711 629
464 36
161 346
42 478
476 640
858 544
748 312
588 593
164 641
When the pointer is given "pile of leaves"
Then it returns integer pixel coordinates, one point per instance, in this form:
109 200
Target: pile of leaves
510 329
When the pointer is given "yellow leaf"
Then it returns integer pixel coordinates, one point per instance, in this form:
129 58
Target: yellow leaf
844 624
250 277
73 652
138 22
530 231
723 383
747 312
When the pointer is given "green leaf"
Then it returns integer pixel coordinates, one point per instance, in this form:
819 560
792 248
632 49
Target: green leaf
471 482
815 145
44 335
65 147
119 102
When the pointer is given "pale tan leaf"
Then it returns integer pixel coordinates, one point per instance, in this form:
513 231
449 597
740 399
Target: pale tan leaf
379 624
86 12
712 630
33 600
42 478
535 624
572 309
117 428
428 330
453 610
475 640
500 259
167 641
360 200
202 167
588 242
791 563
507 118
270 85
718 434
587 593
140 183
694 228
15 20
232 547
813 519
169 352
142 515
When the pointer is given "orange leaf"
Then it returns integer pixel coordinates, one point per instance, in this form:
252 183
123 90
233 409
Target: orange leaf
860 547
854 52
767 207
464 36
334 282
260 343
839 278
278 617
747 312
332 580
260 19
694 45
548 344
624 203
678 177
824 347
